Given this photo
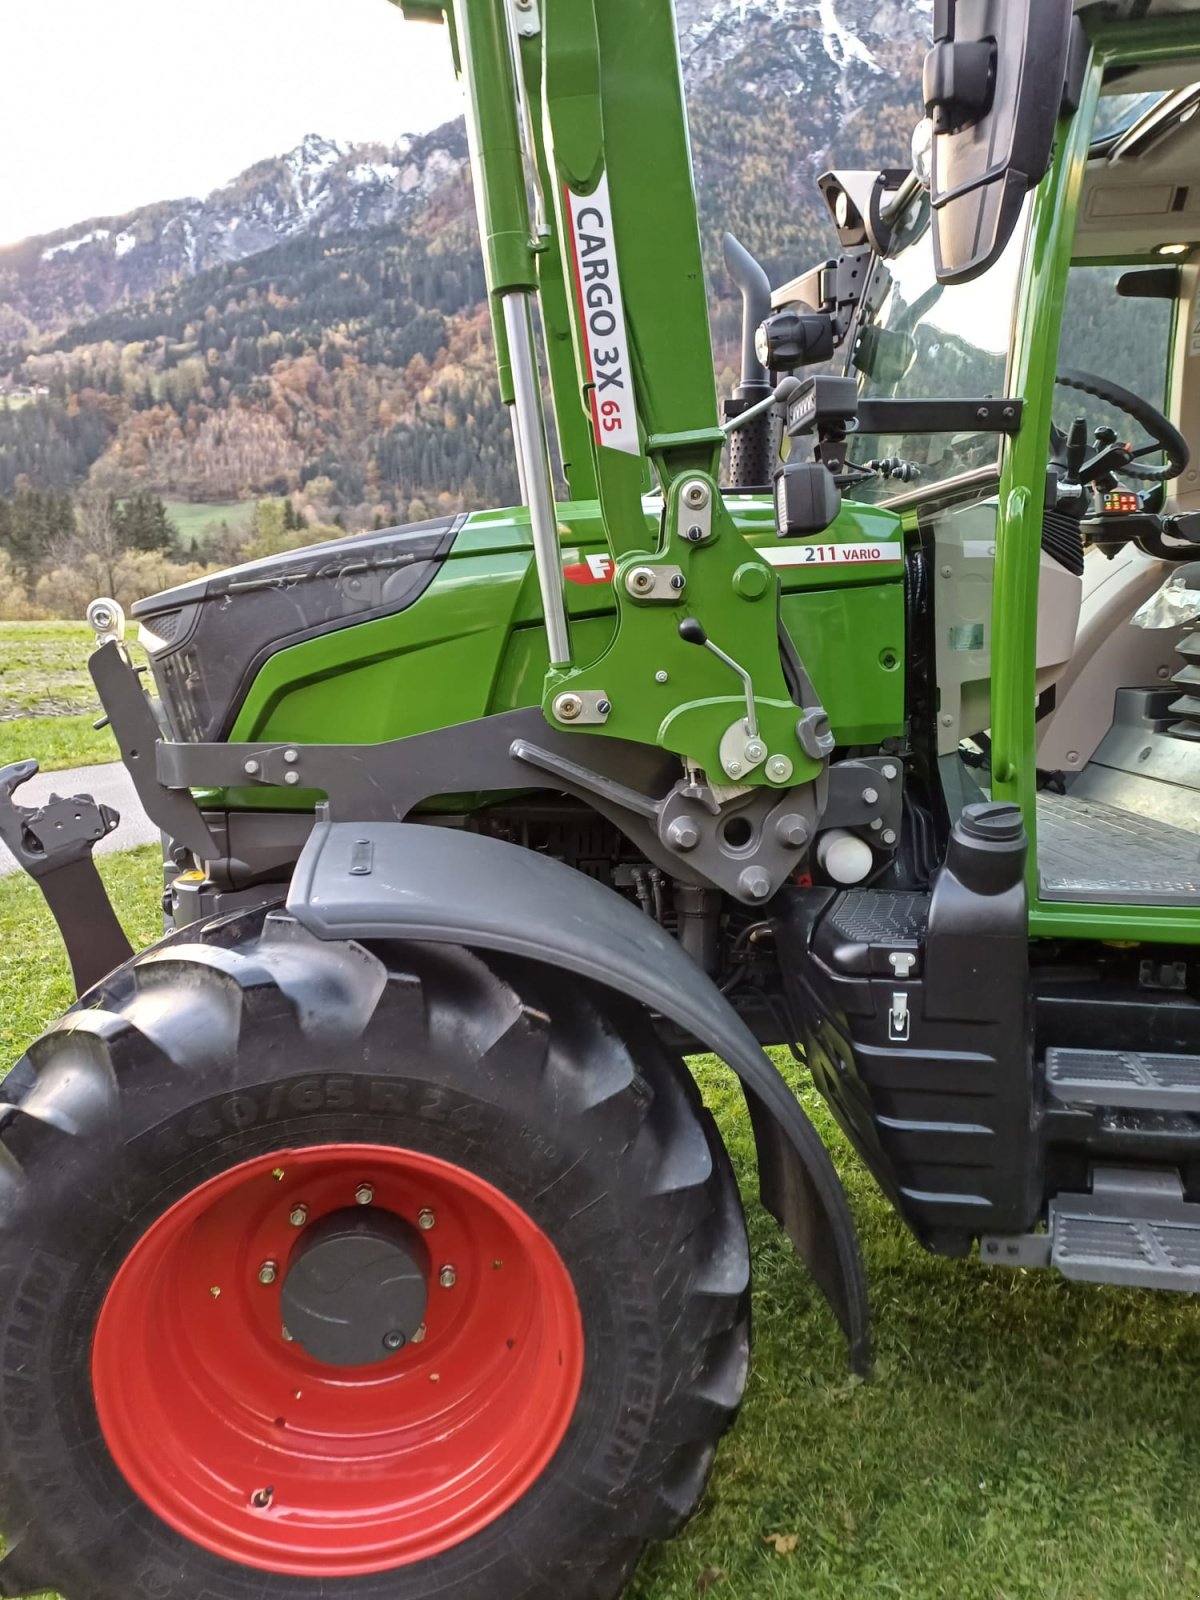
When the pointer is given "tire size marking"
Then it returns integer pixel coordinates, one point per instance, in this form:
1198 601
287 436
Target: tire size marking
829 555
602 319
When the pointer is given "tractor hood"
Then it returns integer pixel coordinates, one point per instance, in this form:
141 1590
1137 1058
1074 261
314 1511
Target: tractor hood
206 640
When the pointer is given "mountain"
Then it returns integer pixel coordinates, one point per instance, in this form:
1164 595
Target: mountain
316 329
320 187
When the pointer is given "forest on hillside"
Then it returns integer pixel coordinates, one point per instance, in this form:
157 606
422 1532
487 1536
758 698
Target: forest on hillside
348 379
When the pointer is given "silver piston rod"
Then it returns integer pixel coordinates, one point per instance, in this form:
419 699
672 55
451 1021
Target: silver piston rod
533 467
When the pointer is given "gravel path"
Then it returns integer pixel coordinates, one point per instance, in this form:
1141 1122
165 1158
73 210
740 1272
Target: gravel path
109 784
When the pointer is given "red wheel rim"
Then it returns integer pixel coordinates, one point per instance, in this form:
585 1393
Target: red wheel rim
249 1447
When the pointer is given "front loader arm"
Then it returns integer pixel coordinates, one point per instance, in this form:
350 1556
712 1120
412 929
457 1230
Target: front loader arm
606 146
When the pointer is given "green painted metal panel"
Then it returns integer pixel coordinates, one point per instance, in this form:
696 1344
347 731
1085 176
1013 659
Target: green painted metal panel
473 643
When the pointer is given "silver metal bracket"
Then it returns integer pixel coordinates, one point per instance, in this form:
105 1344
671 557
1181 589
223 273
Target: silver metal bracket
899 1020
655 583
695 512
526 19
741 751
581 707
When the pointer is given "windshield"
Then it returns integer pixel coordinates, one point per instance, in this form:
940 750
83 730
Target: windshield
929 340
1117 113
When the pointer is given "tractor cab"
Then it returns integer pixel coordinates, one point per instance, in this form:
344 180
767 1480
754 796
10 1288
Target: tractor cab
1058 630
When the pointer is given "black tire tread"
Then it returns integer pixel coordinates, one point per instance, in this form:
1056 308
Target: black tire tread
194 1012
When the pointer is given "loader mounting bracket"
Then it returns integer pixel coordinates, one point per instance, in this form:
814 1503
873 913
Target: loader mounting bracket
54 844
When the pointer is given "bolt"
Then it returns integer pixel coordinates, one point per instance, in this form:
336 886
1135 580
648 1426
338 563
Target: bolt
660 676
261 1498
947 572
1164 672
753 751
779 768
291 777
755 883
364 1194
447 1277
695 495
876 824
215 1292
277 1174
250 767
291 756
677 581
298 1216
870 796
888 836
693 533
1072 757
267 1273
733 768
792 830
394 1340
425 1219
419 1336
568 707
640 580
603 707
889 772
683 834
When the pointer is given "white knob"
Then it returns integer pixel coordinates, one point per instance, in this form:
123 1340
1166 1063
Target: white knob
844 856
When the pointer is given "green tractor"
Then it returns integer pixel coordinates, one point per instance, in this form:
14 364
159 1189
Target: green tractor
367 1235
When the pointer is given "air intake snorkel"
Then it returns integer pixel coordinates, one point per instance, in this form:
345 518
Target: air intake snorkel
752 446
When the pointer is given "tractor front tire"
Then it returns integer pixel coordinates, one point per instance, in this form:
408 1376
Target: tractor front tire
255 1126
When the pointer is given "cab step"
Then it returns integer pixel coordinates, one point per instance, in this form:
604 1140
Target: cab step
1135 1228
1136 1079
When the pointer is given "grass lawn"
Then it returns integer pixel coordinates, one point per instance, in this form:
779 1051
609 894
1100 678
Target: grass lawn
1024 1438
47 699
201 522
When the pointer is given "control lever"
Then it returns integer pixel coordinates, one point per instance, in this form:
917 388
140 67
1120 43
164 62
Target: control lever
692 632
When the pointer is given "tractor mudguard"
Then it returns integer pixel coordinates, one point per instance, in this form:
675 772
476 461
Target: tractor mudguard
410 881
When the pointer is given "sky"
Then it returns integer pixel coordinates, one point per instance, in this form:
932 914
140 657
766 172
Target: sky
112 104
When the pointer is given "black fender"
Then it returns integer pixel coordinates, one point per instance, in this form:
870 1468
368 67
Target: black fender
398 880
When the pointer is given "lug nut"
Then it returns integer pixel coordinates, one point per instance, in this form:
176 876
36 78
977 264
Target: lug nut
364 1194
268 1272
298 1216
447 1277
425 1219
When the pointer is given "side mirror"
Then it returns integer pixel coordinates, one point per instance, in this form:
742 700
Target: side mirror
994 84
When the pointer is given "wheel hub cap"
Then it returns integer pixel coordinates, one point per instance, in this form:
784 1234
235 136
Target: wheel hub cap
247 1390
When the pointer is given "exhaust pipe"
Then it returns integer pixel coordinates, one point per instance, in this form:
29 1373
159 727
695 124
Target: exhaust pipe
752 448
